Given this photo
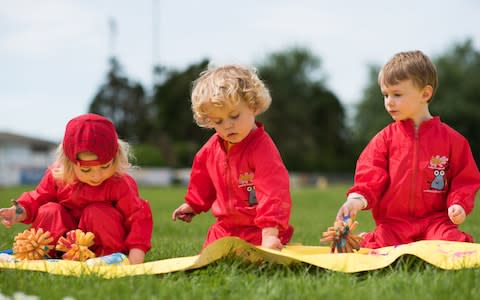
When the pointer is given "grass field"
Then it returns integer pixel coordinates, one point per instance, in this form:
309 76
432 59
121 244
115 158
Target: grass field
230 278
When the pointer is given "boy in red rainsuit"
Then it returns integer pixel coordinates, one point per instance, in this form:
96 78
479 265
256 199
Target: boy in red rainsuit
238 173
88 188
417 175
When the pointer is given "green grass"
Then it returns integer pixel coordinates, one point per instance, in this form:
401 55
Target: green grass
230 278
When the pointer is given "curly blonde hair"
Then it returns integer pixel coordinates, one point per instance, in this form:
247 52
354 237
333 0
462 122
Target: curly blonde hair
230 83
413 65
62 168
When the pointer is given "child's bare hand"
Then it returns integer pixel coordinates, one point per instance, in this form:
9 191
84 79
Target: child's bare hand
136 256
184 212
270 239
457 214
350 208
8 217
272 242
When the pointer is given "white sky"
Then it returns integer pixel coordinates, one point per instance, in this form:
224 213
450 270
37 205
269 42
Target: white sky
54 53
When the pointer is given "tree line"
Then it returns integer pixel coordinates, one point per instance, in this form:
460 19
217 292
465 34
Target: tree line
306 120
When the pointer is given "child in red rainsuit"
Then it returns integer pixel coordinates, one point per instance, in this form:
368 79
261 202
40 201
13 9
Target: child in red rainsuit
88 188
417 175
238 173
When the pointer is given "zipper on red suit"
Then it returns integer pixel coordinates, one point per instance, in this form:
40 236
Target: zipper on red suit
228 181
413 191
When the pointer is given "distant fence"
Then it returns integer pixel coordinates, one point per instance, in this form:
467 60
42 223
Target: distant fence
166 177
169 176
31 175
21 175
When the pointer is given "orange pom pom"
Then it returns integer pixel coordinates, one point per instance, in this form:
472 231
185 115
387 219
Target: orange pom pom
76 244
32 244
341 236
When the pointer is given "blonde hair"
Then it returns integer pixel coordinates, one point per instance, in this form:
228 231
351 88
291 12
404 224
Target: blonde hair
413 65
229 83
62 168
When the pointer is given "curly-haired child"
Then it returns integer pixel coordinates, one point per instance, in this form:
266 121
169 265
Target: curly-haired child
238 173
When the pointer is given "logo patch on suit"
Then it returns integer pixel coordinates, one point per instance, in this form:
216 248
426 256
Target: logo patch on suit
246 180
439 165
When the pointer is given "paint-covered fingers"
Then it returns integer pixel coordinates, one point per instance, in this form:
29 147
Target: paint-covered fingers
186 217
342 212
184 212
354 203
8 216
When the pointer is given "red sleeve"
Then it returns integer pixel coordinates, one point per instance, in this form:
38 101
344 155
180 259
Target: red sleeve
46 191
371 173
200 192
137 214
272 186
465 180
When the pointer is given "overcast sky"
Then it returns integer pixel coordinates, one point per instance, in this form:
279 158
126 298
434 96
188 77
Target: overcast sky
54 53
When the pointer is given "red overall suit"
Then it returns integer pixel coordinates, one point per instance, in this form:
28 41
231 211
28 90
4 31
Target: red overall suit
113 211
229 182
410 179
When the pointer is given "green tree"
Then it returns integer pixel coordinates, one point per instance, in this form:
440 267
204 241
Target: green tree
125 103
306 120
174 129
456 100
147 155
370 116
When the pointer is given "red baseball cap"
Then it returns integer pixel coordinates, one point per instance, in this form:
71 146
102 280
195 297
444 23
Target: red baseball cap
90 133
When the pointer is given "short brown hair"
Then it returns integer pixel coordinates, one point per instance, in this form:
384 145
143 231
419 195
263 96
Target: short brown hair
413 65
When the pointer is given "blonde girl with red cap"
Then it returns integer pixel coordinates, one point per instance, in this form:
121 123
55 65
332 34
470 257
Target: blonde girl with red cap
88 188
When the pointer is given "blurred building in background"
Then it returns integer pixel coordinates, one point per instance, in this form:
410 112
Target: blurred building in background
23 160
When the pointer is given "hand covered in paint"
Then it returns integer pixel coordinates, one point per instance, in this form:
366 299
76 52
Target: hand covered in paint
12 215
184 212
354 203
457 214
136 256
270 239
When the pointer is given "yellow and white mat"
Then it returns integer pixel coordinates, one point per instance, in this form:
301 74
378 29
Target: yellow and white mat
442 254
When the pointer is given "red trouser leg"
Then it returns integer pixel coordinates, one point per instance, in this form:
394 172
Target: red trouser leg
106 223
285 235
441 228
215 232
389 234
55 218
251 234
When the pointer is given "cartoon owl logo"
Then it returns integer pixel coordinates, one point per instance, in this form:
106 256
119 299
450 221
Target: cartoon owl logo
439 164
438 182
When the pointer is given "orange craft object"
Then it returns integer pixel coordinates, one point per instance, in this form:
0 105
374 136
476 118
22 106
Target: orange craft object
76 244
341 236
32 244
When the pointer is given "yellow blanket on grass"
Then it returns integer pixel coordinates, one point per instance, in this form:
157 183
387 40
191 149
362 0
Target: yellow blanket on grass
443 254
